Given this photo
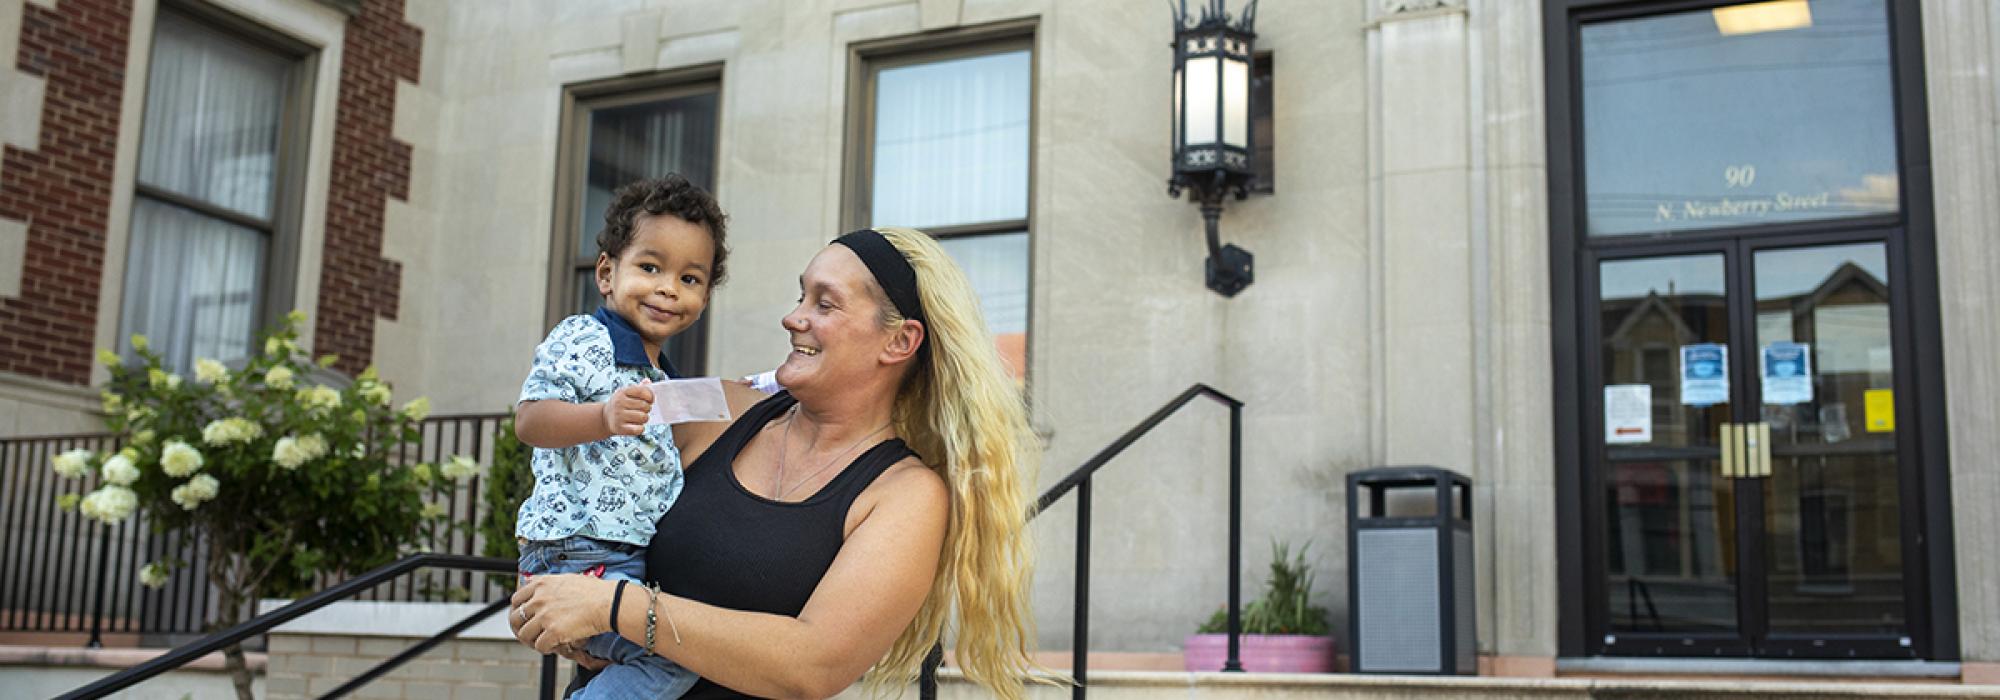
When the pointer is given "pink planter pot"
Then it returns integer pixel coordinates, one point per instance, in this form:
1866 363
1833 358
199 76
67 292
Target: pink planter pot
1263 653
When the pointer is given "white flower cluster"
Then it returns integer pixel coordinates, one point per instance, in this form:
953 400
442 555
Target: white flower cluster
319 398
178 459
417 408
459 468
376 393
72 464
154 575
228 430
121 469
278 378
292 451
433 511
279 347
160 378
209 371
196 491
109 504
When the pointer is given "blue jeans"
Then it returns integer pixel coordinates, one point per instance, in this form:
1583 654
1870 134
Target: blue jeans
635 672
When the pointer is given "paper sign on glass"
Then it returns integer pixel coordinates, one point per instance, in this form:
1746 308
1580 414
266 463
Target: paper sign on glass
1787 373
1704 374
1880 405
687 401
1628 414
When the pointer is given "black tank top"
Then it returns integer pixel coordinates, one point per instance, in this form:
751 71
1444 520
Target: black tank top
724 546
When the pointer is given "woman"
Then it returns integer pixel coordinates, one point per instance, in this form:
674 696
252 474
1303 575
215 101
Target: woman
833 528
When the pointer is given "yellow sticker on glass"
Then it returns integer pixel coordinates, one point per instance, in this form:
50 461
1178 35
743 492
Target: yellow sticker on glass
1881 407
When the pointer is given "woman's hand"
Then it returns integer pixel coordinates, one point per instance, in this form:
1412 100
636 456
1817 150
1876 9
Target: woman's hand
552 612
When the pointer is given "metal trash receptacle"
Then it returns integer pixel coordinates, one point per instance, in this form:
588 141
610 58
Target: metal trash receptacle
1409 571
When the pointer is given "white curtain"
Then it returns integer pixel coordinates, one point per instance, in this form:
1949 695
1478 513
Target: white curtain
951 141
194 280
192 284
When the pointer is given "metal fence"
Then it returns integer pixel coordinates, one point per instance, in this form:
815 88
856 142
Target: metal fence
63 573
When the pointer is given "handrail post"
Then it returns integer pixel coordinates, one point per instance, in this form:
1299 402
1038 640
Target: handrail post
1080 653
1234 662
103 575
548 677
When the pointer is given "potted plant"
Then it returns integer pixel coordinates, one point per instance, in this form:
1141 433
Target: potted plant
1283 632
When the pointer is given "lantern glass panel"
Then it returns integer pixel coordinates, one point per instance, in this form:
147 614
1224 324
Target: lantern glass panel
1201 96
1236 103
1178 137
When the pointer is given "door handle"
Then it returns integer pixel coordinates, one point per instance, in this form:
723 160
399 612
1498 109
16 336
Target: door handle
1760 445
1728 442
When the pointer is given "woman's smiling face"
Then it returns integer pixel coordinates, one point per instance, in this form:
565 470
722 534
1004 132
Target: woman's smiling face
836 331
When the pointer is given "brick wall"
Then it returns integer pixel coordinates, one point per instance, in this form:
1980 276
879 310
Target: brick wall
357 285
62 188
310 665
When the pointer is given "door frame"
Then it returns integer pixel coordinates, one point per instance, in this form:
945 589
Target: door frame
1928 532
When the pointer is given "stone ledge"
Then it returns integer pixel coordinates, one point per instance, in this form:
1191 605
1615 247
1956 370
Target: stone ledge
114 658
391 619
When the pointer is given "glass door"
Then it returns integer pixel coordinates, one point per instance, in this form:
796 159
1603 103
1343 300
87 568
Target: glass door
1749 486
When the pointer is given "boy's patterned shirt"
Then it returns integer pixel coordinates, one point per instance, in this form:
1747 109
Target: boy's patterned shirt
614 489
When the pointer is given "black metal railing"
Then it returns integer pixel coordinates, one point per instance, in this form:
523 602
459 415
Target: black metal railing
351 588
75 575
1079 481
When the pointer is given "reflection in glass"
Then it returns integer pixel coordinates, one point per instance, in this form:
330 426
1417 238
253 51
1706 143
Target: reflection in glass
1832 510
1671 559
1736 116
997 265
640 141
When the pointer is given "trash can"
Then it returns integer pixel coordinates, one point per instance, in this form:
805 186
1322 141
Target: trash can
1409 571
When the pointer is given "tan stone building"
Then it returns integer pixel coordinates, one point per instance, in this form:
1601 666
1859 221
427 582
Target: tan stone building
1697 293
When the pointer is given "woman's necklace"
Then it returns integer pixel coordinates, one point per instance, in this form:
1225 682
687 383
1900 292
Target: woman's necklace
786 445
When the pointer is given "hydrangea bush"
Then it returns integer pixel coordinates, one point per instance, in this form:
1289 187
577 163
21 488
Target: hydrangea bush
285 479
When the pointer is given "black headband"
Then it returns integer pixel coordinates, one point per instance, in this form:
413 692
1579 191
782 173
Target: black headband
892 271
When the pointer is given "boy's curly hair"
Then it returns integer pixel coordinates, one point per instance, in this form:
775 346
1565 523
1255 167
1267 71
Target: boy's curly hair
671 194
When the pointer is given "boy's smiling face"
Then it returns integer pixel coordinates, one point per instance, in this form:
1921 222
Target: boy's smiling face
659 283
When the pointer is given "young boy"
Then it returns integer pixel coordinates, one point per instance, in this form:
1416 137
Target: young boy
602 476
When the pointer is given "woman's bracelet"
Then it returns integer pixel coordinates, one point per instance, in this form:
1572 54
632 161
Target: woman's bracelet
652 601
617 596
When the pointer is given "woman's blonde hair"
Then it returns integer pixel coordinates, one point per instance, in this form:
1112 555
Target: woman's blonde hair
965 416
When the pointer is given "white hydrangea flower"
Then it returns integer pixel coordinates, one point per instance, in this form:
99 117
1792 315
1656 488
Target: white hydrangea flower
319 398
287 453
143 437
209 371
278 378
178 459
228 430
73 464
314 445
154 575
198 490
377 394
417 408
120 471
459 468
433 511
109 504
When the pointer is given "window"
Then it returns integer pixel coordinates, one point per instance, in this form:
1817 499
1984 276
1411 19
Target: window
212 211
942 144
618 133
1740 115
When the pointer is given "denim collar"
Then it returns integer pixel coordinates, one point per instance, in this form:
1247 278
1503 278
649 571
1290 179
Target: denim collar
627 348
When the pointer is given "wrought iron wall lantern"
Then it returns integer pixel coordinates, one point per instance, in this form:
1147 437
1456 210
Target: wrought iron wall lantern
1213 148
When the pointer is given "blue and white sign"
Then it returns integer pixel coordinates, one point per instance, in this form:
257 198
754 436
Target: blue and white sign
1787 373
1704 374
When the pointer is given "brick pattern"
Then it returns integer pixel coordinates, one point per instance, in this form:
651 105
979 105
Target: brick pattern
309 666
357 285
62 188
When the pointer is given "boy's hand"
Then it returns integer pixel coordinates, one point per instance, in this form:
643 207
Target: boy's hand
625 412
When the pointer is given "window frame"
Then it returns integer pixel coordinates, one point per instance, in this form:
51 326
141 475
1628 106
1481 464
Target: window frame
277 285
867 60
579 100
